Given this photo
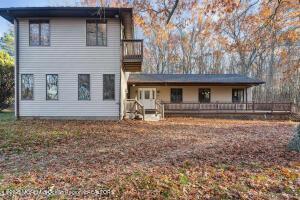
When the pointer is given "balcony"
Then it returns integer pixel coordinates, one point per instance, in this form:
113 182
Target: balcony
132 54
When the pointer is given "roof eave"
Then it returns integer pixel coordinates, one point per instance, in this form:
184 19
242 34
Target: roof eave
88 12
250 84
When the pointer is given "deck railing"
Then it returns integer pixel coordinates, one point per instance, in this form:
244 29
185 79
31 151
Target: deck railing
235 107
132 49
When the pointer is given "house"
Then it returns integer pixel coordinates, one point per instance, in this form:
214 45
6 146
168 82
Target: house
70 63
75 63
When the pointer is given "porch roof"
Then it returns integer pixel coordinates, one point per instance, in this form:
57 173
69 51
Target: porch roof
192 79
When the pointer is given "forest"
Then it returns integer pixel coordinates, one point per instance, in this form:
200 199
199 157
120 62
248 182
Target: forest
257 38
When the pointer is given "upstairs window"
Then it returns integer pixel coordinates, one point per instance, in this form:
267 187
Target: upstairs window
108 87
52 86
176 95
27 86
39 33
204 95
237 95
84 87
96 33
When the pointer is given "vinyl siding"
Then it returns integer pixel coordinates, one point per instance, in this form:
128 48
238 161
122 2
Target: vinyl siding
69 56
190 93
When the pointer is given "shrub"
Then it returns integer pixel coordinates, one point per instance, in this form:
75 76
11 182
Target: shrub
6 80
294 144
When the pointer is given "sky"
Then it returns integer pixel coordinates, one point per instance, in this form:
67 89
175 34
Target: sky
5 25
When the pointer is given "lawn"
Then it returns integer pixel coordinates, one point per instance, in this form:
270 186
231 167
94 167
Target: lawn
180 158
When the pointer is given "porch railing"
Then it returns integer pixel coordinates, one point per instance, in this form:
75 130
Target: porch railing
132 49
253 106
135 107
160 108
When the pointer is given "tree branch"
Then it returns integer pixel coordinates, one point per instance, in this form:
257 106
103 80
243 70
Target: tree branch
172 11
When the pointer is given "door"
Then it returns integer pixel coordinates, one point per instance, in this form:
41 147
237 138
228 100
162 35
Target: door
147 97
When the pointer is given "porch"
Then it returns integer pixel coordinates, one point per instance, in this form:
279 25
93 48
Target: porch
199 95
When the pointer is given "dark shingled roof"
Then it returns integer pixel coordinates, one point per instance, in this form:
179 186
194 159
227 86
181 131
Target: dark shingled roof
214 79
88 12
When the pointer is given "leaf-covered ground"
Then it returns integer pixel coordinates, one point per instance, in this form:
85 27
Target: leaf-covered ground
180 158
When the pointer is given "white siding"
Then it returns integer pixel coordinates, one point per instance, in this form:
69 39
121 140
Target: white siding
69 56
190 93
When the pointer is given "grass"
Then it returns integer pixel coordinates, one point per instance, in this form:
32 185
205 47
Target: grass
6 116
182 158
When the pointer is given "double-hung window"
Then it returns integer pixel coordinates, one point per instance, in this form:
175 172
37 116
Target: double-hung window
176 95
204 95
52 86
39 33
108 87
96 33
27 86
237 95
84 87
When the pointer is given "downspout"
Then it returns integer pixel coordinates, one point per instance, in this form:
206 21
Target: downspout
121 71
17 71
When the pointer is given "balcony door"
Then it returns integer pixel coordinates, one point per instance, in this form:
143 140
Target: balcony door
147 97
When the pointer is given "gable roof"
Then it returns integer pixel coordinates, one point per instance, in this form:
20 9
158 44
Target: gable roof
88 12
197 79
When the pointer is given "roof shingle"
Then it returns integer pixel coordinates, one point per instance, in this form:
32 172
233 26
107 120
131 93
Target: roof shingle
193 79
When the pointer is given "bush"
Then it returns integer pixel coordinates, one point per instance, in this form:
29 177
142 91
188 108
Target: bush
294 144
6 80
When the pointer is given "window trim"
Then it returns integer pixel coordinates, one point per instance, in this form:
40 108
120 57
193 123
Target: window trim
97 21
181 95
89 88
22 99
243 97
39 21
57 89
209 89
114 88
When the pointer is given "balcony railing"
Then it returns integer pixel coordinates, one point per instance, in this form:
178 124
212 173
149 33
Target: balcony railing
132 49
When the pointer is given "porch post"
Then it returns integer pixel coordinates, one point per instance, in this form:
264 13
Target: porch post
246 98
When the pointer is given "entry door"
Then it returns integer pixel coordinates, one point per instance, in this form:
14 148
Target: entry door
147 97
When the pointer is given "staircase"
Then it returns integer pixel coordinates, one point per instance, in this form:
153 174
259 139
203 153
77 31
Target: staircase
135 110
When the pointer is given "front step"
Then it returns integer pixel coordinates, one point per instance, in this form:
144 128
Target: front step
152 117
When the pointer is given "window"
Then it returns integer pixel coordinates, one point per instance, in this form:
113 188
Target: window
95 33
27 86
108 86
52 87
176 95
237 95
84 87
147 94
39 31
204 95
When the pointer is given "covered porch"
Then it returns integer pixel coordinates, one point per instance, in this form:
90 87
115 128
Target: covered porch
200 94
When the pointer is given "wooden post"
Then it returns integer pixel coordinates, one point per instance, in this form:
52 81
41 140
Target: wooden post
253 106
272 106
235 107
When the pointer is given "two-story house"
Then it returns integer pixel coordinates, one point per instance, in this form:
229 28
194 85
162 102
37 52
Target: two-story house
74 63
69 60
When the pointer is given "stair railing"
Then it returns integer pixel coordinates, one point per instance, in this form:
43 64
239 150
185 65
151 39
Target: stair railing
135 107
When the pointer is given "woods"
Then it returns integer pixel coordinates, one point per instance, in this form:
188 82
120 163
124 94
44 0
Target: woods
258 38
